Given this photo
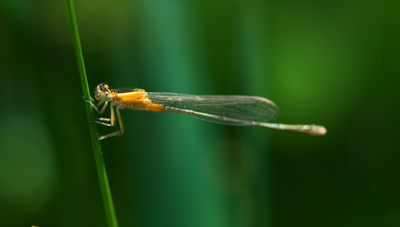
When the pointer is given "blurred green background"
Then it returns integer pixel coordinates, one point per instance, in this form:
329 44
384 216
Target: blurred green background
334 63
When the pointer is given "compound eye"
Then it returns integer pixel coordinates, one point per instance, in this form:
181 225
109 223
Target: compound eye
103 87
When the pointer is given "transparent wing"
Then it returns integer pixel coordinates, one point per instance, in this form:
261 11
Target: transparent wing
223 109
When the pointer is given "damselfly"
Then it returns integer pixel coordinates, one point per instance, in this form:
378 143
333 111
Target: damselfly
222 109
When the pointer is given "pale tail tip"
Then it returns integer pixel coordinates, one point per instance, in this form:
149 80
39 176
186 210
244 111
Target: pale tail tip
318 131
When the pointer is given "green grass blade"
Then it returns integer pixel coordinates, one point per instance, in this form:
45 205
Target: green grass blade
101 170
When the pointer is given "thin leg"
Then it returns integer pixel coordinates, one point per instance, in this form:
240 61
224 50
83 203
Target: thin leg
96 106
103 119
106 119
117 133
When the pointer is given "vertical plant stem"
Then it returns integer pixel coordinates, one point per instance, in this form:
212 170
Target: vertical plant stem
101 169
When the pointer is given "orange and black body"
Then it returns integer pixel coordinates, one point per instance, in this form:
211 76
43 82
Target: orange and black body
135 99
222 109
121 99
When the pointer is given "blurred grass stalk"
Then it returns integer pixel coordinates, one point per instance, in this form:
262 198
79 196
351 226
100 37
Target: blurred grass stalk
101 170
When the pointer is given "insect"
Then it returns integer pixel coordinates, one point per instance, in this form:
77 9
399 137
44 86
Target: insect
222 109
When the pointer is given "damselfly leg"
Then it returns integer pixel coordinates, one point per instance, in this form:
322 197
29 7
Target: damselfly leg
111 119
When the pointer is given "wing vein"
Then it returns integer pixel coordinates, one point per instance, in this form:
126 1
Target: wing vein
241 109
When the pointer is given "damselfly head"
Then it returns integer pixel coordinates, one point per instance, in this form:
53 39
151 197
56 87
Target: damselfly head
103 92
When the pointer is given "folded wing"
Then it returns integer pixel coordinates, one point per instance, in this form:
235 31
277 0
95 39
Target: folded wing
220 108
